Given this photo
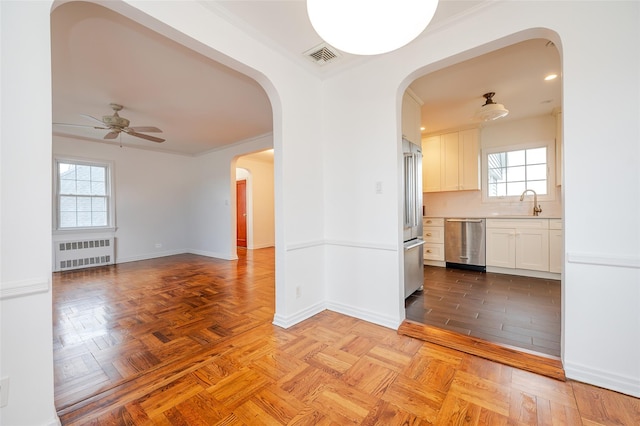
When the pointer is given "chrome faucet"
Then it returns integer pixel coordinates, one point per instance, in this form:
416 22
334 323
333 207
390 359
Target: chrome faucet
536 207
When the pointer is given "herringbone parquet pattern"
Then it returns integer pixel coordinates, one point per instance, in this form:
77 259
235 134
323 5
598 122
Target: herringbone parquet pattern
188 340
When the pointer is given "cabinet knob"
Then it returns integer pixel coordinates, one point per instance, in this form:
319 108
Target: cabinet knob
428 251
428 234
428 221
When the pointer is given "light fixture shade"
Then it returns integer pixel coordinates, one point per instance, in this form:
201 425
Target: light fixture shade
491 110
370 27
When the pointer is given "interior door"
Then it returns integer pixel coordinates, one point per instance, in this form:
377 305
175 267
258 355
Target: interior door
241 213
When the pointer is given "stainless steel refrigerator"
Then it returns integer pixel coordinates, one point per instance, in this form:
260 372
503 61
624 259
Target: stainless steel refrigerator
413 242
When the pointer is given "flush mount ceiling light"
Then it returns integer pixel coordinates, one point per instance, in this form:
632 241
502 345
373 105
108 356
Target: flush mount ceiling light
370 27
491 110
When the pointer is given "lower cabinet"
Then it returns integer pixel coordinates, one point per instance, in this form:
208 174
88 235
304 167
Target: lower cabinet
556 246
519 244
433 235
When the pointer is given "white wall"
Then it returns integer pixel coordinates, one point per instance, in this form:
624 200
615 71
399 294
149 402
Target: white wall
470 203
150 195
260 197
212 199
26 353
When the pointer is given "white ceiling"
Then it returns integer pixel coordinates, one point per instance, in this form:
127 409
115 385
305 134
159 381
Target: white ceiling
99 57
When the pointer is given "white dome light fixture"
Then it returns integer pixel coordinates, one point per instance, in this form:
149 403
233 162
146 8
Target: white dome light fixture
491 110
370 27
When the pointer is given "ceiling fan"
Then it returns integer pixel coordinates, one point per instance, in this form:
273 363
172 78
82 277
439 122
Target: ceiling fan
116 124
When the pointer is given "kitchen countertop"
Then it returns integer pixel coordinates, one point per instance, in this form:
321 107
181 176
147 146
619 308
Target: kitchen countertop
495 217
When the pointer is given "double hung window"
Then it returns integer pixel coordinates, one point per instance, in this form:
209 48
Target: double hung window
83 195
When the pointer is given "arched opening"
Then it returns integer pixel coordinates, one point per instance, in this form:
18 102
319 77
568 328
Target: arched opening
256 171
171 199
485 305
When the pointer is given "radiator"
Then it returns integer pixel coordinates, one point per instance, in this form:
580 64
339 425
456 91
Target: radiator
83 254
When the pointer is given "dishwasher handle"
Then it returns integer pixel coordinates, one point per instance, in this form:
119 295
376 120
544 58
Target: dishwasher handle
465 220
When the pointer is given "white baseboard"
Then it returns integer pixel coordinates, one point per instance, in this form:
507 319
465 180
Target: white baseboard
54 422
604 379
148 256
525 273
291 320
365 315
223 256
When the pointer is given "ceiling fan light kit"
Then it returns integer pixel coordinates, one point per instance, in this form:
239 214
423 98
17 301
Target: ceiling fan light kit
370 27
491 110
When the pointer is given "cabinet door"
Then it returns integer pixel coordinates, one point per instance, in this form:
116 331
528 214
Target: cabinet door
431 164
555 250
469 170
450 161
410 118
532 249
501 250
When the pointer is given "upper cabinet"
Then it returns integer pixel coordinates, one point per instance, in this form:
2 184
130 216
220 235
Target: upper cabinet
450 162
411 105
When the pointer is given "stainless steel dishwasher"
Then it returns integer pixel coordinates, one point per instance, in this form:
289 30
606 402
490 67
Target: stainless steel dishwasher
464 243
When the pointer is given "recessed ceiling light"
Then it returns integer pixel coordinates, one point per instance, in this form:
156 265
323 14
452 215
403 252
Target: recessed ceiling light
422 128
551 77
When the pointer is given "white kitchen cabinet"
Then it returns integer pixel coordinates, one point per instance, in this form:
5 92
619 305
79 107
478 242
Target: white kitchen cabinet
469 160
411 117
532 249
518 243
501 247
451 162
431 164
556 246
433 235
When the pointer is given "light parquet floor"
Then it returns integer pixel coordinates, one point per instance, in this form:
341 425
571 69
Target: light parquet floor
188 340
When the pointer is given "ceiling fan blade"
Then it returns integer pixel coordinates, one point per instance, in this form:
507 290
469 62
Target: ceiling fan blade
140 135
88 117
147 129
111 135
80 125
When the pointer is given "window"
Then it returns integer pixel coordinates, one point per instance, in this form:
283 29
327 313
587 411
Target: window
83 195
508 172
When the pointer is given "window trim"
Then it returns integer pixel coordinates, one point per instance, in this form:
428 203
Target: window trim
110 190
551 170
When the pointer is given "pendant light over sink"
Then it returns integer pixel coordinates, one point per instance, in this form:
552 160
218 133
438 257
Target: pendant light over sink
370 27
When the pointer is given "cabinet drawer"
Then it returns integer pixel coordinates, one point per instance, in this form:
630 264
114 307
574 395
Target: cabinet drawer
433 251
433 234
555 223
432 221
518 223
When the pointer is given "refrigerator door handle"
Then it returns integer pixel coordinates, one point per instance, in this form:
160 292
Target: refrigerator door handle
414 245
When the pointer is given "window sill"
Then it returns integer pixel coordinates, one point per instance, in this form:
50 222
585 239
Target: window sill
85 231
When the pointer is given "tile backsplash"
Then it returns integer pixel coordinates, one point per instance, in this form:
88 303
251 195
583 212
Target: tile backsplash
469 203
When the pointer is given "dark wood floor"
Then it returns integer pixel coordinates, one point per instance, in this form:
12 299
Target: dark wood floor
188 340
512 310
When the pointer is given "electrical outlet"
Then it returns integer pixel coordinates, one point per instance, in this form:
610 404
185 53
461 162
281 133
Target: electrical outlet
378 189
298 292
4 391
